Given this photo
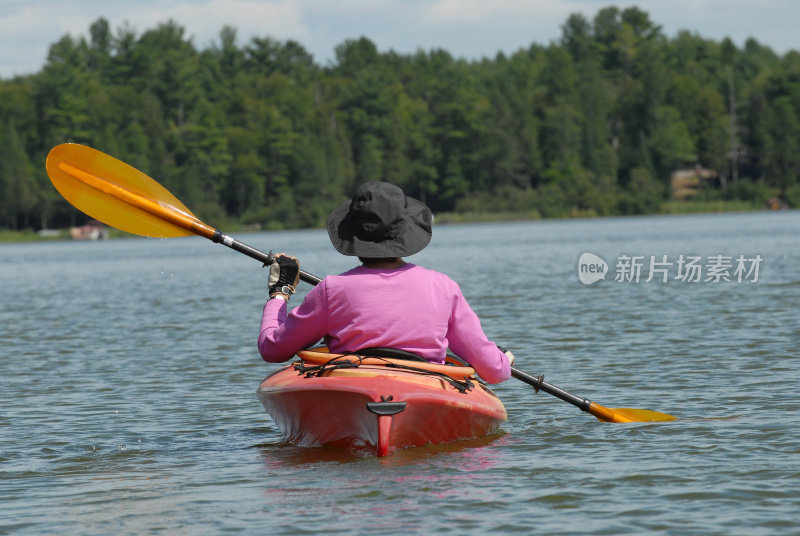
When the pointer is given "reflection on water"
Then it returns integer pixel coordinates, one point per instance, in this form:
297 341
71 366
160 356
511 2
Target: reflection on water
282 454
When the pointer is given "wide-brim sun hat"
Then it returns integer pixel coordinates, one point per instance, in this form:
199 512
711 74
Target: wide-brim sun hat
380 221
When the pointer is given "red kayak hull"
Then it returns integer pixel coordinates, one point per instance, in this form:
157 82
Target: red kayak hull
376 408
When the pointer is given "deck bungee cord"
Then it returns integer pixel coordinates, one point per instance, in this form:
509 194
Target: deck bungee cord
311 371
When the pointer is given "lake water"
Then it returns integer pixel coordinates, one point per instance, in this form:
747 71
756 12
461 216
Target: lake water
128 372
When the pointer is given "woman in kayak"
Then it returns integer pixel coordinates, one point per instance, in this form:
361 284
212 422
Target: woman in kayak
386 302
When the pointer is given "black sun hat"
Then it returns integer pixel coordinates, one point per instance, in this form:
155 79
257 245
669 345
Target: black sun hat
380 222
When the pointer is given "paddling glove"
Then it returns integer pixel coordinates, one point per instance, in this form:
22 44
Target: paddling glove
283 275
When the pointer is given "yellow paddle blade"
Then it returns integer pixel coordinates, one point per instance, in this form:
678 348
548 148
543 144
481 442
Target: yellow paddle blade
644 415
117 194
627 414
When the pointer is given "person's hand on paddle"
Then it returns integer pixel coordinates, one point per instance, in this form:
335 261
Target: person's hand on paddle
284 274
508 354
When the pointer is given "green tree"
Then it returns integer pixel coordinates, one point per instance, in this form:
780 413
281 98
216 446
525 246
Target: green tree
18 200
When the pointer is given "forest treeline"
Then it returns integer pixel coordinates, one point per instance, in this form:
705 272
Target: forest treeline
593 123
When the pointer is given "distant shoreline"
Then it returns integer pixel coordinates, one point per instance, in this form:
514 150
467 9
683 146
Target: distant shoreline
668 208
453 218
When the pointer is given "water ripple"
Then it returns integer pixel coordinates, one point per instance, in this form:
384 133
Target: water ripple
128 372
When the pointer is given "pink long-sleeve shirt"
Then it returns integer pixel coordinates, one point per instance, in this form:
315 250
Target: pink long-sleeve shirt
409 308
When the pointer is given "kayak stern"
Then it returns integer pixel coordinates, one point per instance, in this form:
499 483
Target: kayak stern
376 408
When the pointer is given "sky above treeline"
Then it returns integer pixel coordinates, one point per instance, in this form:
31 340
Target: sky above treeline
466 28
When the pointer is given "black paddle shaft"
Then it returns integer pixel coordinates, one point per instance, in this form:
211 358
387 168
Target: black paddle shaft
540 384
265 258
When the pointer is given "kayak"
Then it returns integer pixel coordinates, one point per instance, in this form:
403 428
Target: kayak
377 404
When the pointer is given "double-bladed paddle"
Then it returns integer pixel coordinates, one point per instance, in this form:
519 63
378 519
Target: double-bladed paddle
121 196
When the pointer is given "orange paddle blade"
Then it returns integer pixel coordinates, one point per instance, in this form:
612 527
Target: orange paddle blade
628 414
119 195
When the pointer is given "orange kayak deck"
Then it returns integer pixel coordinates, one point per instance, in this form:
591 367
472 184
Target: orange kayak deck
377 404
